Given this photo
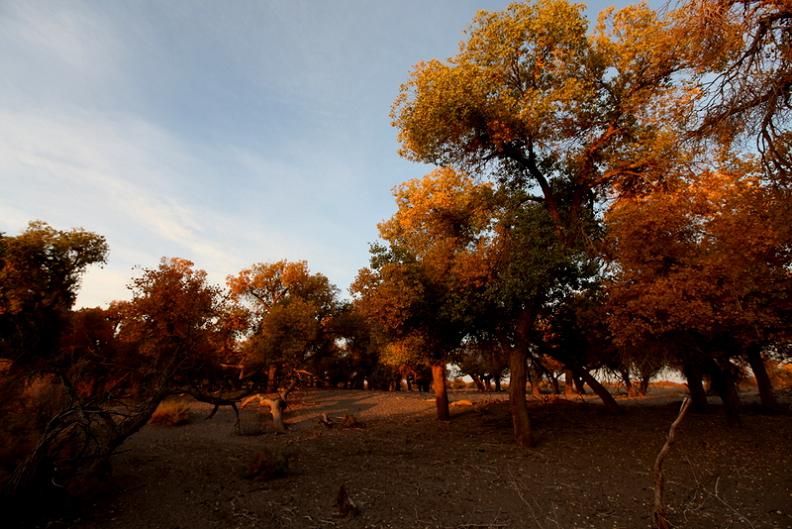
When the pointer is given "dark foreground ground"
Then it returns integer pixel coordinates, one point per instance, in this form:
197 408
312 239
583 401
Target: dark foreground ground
406 470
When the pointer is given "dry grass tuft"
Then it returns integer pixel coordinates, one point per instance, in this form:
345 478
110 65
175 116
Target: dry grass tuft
171 413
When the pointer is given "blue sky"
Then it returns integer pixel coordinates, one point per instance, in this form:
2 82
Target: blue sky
226 133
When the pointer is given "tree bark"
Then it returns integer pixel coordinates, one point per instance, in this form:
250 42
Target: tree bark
766 394
272 378
479 384
726 385
628 385
579 387
607 399
695 383
441 395
536 379
643 389
569 383
522 424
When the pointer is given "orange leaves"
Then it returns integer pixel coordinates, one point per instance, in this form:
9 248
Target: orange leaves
444 204
290 306
707 256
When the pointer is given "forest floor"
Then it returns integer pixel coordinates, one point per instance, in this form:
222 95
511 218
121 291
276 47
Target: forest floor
404 469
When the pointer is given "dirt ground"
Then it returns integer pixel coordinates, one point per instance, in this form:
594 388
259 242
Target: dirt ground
404 469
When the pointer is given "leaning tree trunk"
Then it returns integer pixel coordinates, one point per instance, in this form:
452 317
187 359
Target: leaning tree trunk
479 384
766 394
607 399
441 394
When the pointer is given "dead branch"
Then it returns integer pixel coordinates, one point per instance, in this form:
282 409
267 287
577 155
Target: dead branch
345 504
325 421
660 518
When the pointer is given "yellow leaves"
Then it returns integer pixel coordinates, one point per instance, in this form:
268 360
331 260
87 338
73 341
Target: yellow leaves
404 351
442 205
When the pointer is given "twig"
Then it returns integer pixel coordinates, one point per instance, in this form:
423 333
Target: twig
723 502
531 510
660 519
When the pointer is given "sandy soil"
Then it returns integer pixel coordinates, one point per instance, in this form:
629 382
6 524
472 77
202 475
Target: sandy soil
404 469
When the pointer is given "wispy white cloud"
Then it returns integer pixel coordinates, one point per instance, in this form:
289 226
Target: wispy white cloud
130 181
224 134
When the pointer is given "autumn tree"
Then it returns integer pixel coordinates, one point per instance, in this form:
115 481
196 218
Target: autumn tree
357 359
533 96
564 114
40 272
424 277
484 361
740 56
704 269
291 314
576 334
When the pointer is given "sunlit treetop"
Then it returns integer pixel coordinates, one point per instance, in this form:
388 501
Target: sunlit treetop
536 94
268 284
741 51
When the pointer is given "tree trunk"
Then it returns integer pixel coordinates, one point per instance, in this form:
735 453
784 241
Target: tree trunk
569 384
536 379
556 387
581 390
695 383
272 378
725 384
522 424
763 383
628 385
607 399
441 395
479 384
643 389
498 388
